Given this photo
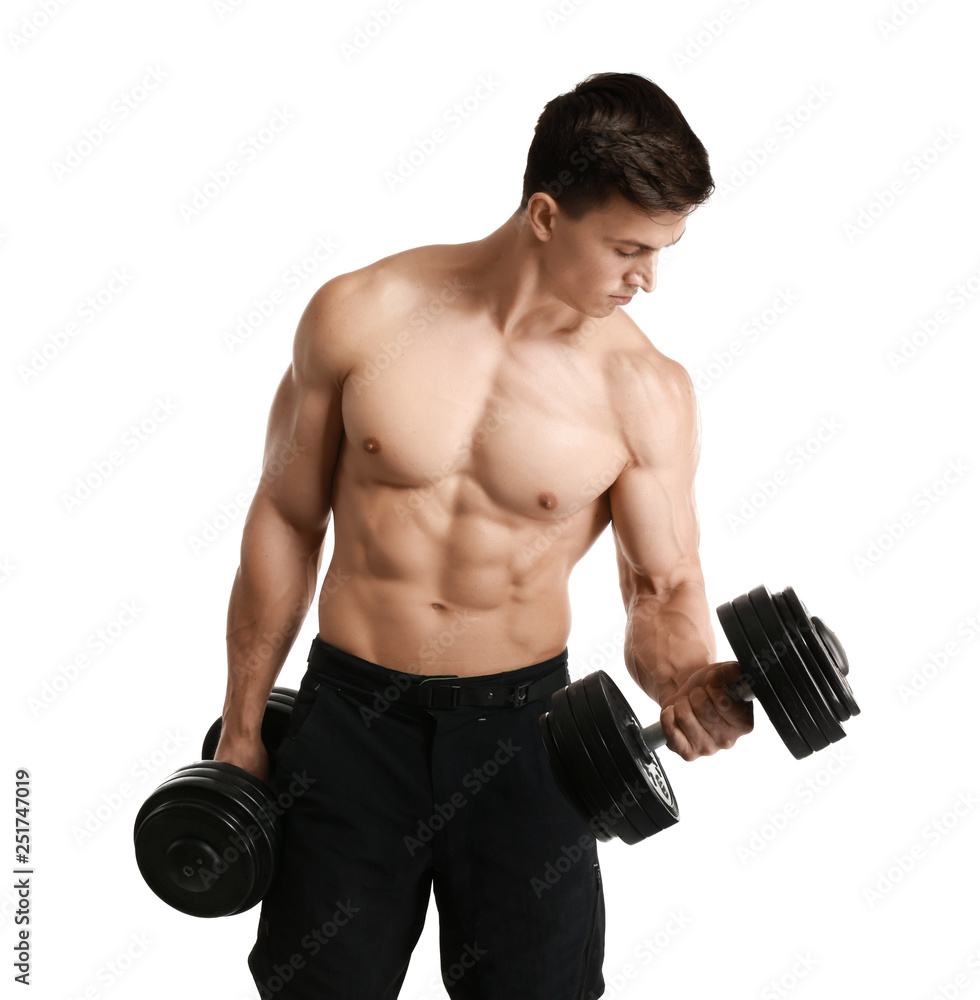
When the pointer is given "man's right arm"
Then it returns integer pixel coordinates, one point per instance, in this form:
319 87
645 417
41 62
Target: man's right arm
282 541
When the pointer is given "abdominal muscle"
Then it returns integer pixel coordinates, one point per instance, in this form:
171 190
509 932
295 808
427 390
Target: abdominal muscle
481 600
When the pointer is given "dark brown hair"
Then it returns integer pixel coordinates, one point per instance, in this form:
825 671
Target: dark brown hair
616 132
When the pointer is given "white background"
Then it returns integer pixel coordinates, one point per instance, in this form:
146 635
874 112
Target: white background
800 211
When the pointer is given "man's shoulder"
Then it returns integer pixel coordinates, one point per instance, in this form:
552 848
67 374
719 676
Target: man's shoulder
391 282
651 393
634 364
353 309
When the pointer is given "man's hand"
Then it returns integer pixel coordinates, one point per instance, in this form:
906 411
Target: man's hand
702 718
248 754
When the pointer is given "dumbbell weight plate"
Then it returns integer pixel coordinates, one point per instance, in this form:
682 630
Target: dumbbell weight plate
779 677
569 788
759 682
576 762
827 651
639 768
212 816
819 666
234 784
624 788
780 647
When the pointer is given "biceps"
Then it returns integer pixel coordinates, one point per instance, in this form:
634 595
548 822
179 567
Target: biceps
301 449
655 527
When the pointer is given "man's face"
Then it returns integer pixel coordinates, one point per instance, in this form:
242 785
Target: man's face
598 262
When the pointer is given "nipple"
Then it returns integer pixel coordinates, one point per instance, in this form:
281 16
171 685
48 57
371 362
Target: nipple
372 444
547 500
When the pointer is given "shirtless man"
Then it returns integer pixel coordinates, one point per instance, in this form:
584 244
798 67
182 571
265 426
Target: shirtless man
474 415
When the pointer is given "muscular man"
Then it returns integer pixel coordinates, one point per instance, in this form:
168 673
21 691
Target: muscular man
474 415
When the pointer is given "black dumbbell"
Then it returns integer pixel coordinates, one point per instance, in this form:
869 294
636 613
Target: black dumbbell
207 840
606 765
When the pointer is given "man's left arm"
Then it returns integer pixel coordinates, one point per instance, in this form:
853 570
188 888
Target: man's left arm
670 646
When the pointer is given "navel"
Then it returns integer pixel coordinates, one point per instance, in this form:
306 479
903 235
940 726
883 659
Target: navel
372 444
439 607
547 500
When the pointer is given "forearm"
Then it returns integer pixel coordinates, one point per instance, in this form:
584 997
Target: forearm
668 637
270 598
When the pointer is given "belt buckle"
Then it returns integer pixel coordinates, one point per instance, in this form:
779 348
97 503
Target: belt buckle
444 696
519 697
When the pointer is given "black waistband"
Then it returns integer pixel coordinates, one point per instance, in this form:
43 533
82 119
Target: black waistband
509 687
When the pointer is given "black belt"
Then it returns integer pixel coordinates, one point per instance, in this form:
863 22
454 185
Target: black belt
442 693
435 691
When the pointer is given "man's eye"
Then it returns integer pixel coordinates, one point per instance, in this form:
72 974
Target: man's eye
633 254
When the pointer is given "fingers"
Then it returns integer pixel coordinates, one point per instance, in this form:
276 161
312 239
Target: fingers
705 721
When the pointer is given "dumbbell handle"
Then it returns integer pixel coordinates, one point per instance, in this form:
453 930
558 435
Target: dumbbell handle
653 736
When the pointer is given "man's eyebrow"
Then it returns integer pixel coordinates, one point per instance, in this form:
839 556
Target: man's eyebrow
641 246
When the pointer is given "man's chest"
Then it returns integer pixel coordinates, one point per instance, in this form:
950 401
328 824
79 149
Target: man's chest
527 427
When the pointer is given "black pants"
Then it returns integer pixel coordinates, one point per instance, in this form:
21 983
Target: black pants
392 798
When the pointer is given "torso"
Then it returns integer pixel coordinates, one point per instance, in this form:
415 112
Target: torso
471 478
